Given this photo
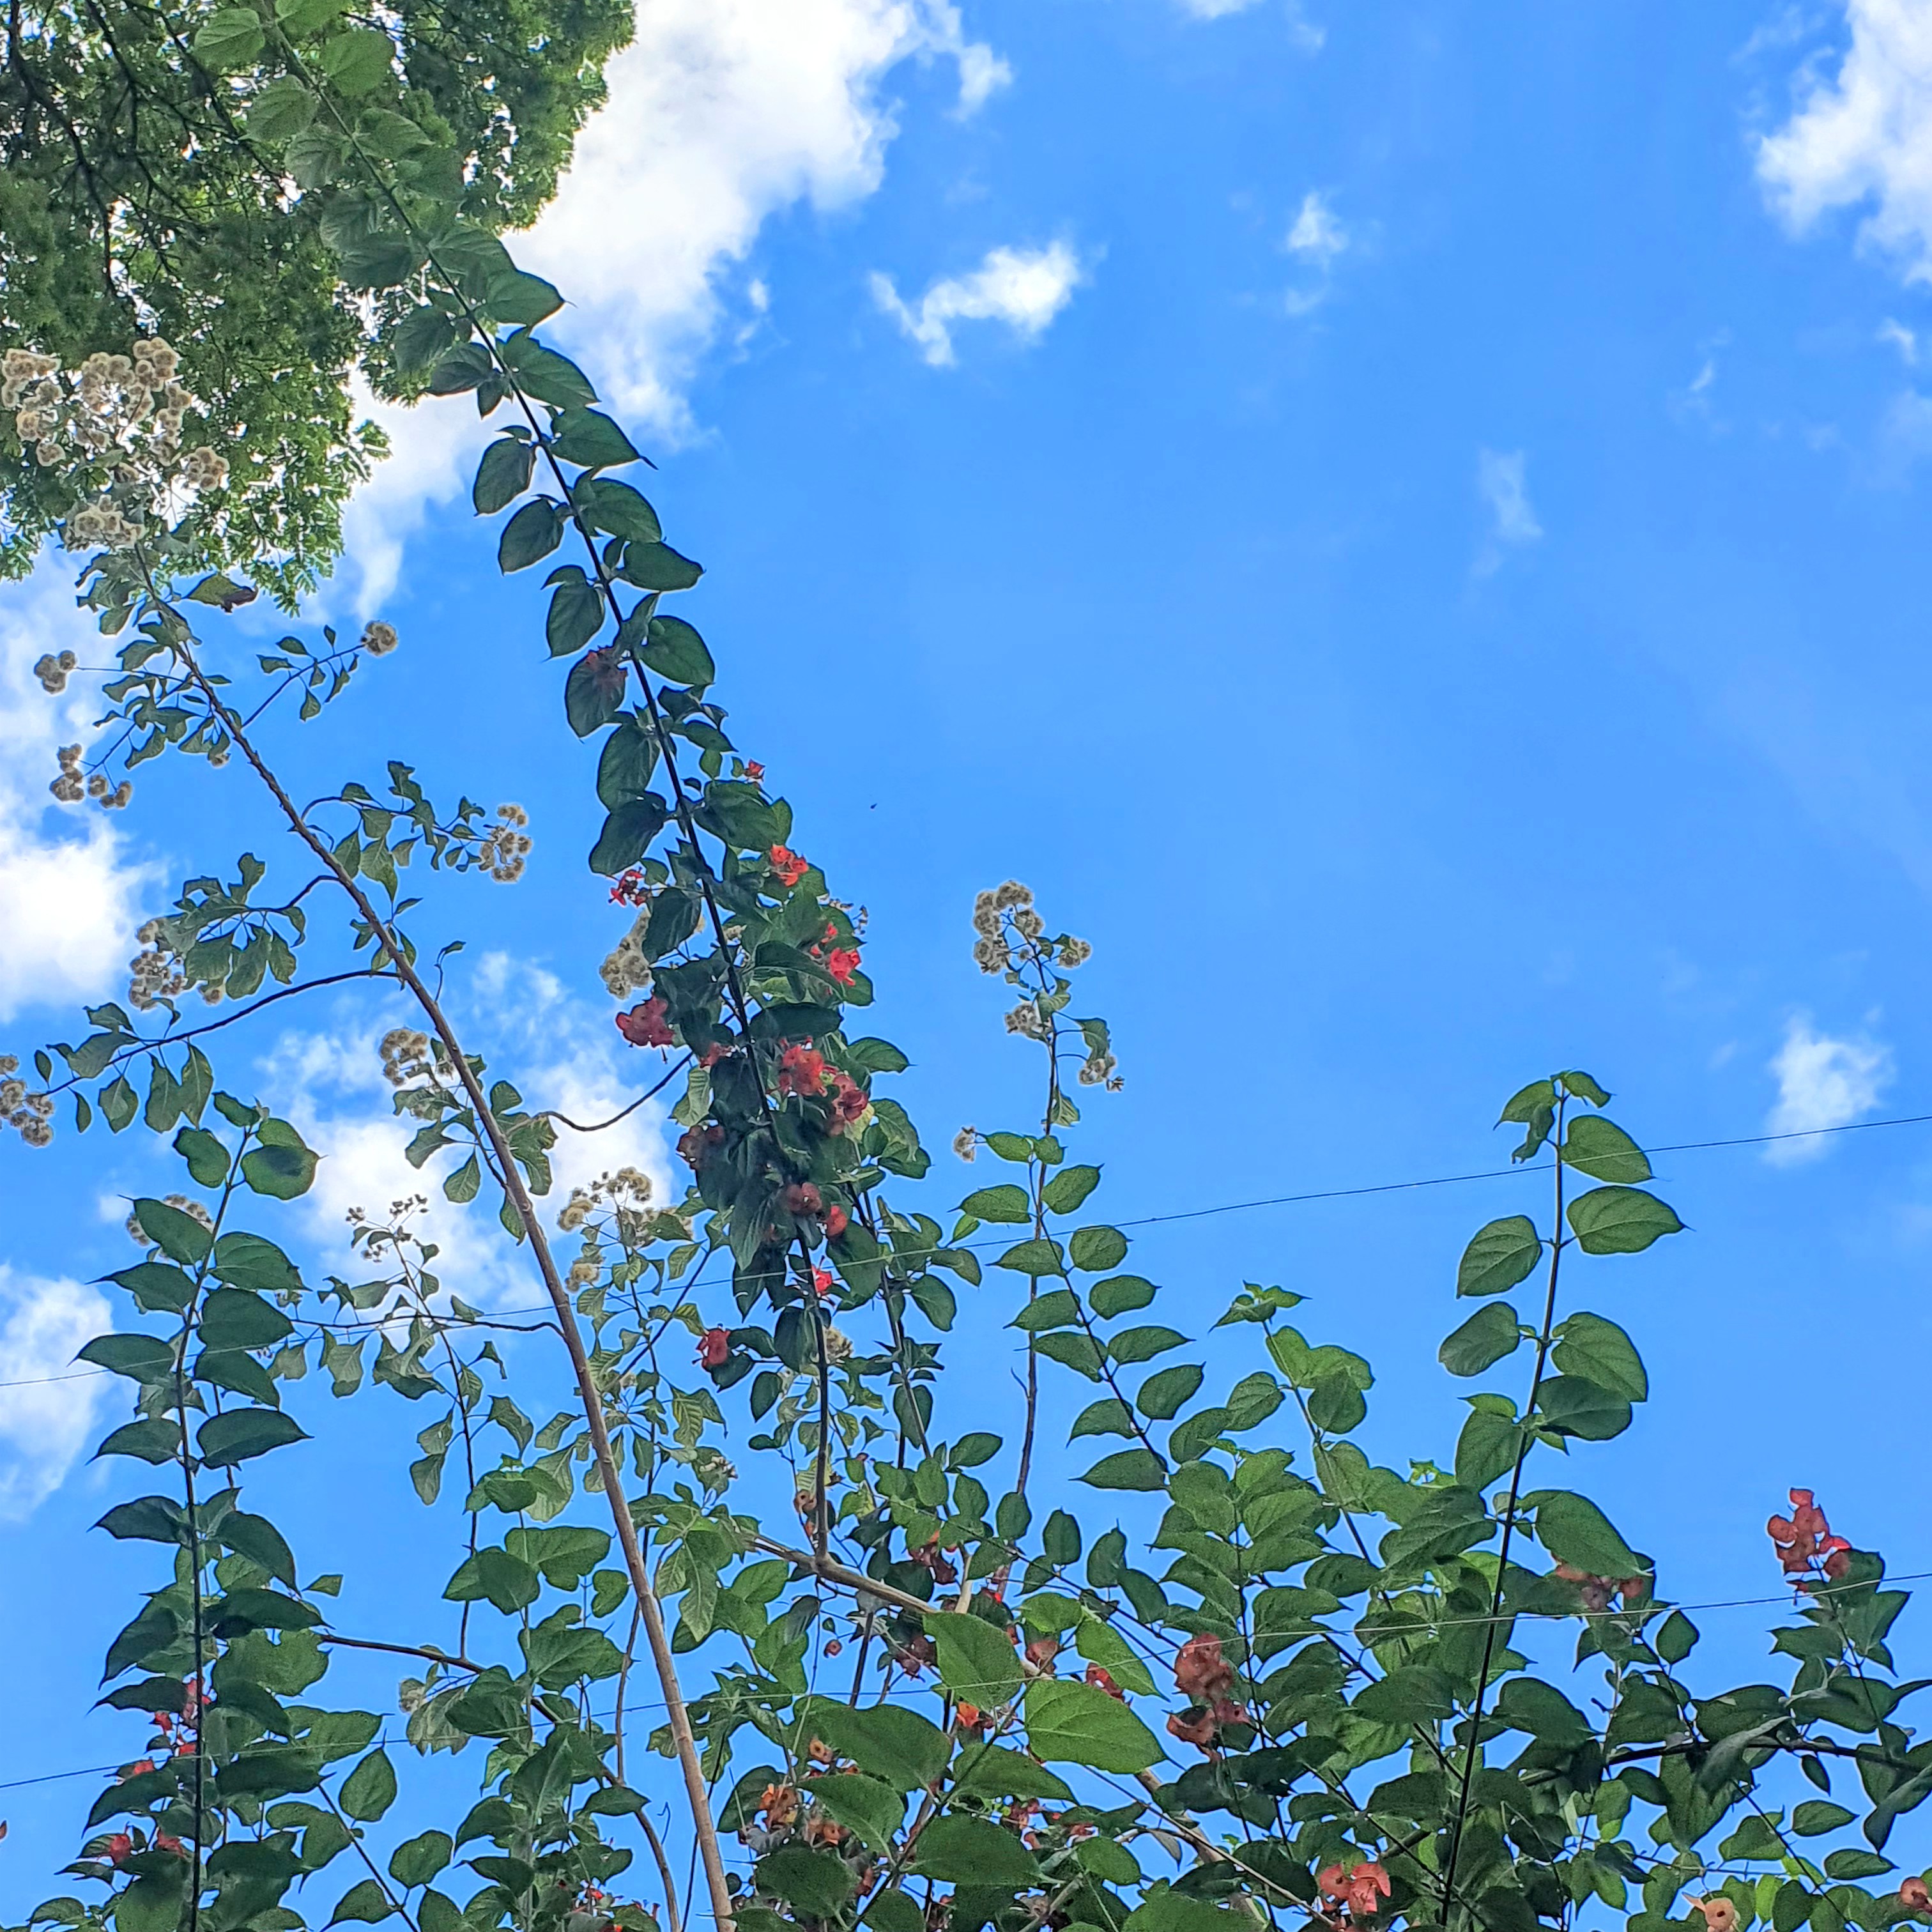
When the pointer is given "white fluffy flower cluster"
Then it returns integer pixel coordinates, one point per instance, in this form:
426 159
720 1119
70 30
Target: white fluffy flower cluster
1009 931
53 671
625 969
506 845
378 639
28 1113
123 413
406 1056
157 973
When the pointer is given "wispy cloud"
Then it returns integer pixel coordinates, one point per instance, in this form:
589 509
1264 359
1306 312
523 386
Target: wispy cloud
721 114
1303 31
1513 522
45 1424
1022 288
1696 403
1862 137
1822 1083
1315 238
69 885
1895 335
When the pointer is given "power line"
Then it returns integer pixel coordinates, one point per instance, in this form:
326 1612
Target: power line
1203 1213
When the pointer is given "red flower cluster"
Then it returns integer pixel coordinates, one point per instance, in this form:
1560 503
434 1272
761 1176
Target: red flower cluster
754 770
801 1070
1201 1726
970 1715
1804 1538
790 866
718 1050
802 1197
841 962
1103 1680
1596 1591
118 1848
630 889
1041 1652
836 1222
849 1100
1359 1891
1913 1895
1200 1672
695 1142
715 1348
645 1025
822 1283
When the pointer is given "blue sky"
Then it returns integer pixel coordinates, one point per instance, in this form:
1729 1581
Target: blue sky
1403 526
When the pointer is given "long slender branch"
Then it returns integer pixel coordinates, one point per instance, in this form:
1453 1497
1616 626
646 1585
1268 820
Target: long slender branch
589 1393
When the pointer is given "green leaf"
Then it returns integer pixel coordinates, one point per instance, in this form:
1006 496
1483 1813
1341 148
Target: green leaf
178 1236
964 1850
817 1884
548 377
1575 1532
241 1433
1335 1404
1620 1220
281 1167
141 1358
238 1318
1034 1258
615 508
994 1771
863 1804
1136 1469
1815 1817
1069 1187
1071 1723
503 475
1526 1704
153 1441
656 566
1095 1250
359 60
230 39
628 831
887 1741
1588 1344
1500 1256
418 1860
1483 1341
365 1904
1061 1540
1602 1150
248 1260
1676 1639
153 1902
463 1185
625 765
494 1574
1487 1446
593 694
1056 1309
521 299
890 1911
590 439
673 649
1162 1395
530 535
1119 1294
370 1789
979 1446
256 1538
207 1159
1142 1344
1573 1405
576 615
1584 1088
977 1662
1005 1202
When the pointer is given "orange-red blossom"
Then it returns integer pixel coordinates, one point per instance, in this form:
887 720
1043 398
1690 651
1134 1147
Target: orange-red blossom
1804 1538
1361 1889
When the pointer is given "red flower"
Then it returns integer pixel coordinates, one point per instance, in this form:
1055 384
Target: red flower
1200 1672
1041 1652
801 1070
971 1715
138 1769
1913 1895
1196 1728
117 1848
718 1050
836 1222
1805 1538
822 1283
849 1100
630 889
841 962
166 1841
802 1197
695 1142
644 1025
789 865
1720 1914
1103 1680
755 771
1361 1889
714 1348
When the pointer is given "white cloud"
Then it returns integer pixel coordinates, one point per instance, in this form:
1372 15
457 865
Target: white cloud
1822 1083
1896 335
1303 31
67 885
721 114
560 1052
1862 137
1025 288
1317 234
1499 481
45 1425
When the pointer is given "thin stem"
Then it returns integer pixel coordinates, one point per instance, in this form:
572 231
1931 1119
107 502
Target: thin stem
458 1663
1557 1244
